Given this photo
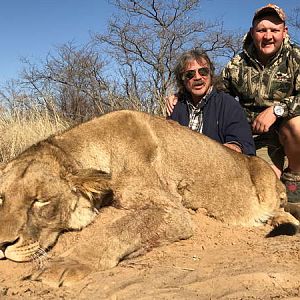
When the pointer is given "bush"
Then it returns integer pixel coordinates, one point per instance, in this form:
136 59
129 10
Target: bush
19 130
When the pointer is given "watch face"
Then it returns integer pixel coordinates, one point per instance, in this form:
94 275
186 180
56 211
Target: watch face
278 110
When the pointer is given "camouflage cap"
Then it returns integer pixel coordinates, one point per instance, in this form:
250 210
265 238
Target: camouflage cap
270 9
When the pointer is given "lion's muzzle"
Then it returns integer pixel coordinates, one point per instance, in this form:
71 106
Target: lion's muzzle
21 253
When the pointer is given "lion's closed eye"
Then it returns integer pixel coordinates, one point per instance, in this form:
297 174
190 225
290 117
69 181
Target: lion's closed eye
45 209
38 203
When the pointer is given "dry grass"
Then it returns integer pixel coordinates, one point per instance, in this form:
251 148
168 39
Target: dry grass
19 130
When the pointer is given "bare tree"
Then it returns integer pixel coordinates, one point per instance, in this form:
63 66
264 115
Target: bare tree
294 23
130 66
71 80
14 98
146 37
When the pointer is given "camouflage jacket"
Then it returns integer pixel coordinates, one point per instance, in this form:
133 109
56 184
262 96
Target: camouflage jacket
257 86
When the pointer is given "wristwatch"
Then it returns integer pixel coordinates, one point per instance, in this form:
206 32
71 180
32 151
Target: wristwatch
278 110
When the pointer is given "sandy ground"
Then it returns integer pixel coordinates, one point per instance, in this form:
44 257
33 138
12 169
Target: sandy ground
219 262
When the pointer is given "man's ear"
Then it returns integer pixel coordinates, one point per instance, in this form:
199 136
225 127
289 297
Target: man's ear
285 31
251 31
94 184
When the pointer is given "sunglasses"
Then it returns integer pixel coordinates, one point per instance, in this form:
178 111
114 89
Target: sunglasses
191 73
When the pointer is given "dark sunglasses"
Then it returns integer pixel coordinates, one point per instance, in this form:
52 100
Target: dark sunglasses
191 73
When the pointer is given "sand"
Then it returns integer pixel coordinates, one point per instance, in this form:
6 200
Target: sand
218 262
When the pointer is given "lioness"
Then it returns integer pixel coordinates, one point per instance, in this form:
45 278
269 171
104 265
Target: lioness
140 173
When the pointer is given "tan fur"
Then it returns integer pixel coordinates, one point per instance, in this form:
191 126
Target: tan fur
135 177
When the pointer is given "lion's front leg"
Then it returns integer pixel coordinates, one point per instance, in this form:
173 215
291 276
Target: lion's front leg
139 231
117 235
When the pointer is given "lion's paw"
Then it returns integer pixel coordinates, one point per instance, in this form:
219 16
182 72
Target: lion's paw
61 273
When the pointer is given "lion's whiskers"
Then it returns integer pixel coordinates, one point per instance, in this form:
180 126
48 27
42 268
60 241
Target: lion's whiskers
39 258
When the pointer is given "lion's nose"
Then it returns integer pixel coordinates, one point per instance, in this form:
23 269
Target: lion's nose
2 249
4 245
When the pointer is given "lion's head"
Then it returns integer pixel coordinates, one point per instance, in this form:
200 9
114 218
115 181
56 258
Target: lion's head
33 213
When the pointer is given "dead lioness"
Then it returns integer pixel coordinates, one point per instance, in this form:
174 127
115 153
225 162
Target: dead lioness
139 173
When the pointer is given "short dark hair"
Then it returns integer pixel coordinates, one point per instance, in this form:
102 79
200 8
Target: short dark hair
194 54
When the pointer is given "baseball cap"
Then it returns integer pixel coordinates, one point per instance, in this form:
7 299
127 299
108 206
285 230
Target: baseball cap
270 9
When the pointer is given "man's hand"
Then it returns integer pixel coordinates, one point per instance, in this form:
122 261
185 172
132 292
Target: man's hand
170 103
264 120
233 146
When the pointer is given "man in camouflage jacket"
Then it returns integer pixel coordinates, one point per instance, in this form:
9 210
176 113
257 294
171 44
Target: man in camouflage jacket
265 78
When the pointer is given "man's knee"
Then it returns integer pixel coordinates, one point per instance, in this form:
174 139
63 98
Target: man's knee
290 131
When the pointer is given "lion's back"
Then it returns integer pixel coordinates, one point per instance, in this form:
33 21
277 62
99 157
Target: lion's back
202 172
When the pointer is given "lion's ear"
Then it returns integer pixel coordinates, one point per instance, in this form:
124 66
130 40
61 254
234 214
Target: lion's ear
94 184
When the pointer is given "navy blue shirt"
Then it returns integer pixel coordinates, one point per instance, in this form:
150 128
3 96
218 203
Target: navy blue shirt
224 120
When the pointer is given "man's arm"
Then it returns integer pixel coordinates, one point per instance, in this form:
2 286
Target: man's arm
237 130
